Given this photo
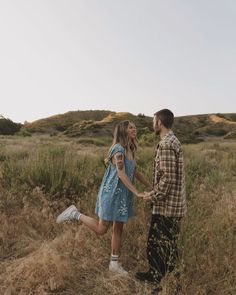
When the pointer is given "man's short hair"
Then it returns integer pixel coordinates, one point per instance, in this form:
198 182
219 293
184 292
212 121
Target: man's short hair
166 117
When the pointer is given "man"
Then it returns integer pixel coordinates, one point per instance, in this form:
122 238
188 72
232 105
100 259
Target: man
168 200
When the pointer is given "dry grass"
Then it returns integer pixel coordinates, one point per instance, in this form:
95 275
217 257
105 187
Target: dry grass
37 256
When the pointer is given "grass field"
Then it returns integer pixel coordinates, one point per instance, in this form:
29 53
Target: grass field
41 176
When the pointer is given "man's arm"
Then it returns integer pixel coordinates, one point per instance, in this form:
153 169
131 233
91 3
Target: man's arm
167 162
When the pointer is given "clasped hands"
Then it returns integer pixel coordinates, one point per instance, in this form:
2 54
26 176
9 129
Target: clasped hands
146 196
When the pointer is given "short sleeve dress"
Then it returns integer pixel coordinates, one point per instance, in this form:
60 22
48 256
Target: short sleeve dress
115 201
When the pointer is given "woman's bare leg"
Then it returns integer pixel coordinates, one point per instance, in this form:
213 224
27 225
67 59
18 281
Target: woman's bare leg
98 226
116 237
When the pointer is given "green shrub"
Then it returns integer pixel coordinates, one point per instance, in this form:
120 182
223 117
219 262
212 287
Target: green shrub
23 132
8 127
148 139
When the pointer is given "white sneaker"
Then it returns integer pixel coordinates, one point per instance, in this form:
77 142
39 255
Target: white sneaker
116 267
68 214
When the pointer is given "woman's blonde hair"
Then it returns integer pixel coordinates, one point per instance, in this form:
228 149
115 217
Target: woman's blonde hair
120 136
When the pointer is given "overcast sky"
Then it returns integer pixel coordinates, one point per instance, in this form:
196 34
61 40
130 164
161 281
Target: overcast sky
122 55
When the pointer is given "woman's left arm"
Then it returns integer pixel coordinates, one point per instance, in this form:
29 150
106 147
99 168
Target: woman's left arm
142 179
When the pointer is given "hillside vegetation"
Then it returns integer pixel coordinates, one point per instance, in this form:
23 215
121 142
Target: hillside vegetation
41 176
61 122
8 127
91 125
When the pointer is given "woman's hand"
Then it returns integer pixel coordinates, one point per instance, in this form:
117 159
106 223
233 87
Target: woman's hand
140 195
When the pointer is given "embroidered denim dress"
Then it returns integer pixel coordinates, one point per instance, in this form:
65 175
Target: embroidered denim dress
115 201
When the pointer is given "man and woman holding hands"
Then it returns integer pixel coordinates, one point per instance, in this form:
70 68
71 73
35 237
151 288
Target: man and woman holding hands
166 195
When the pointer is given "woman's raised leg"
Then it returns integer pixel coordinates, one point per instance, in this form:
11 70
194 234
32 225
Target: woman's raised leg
98 226
71 213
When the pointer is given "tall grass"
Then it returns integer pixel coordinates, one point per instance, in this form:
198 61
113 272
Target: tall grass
37 183
208 233
54 168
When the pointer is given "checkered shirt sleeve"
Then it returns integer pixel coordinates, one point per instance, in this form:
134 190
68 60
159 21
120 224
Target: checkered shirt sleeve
168 195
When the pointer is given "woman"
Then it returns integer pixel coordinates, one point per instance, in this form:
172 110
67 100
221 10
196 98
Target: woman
115 198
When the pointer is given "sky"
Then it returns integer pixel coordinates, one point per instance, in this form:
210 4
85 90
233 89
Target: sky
136 56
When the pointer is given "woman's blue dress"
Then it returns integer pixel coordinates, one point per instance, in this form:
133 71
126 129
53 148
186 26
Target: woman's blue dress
115 201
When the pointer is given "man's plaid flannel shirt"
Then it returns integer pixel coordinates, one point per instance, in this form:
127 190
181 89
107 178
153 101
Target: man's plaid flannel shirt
168 195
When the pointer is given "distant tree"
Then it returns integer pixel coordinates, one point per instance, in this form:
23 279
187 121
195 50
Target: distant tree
8 127
141 115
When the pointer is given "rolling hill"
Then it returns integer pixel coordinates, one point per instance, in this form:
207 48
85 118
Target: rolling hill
100 124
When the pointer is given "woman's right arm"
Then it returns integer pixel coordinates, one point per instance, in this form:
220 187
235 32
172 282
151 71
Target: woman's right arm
120 166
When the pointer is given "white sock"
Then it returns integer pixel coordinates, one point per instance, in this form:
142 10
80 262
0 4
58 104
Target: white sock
77 215
114 258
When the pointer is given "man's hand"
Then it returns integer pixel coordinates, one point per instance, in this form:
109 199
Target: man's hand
147 197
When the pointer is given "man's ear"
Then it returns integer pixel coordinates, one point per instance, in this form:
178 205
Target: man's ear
159 123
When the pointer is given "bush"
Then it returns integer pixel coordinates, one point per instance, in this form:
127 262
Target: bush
8 127
23 132
148 139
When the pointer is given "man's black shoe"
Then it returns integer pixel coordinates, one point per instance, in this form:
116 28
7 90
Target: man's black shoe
147 276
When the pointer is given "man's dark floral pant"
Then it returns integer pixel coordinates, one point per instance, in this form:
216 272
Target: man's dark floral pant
162 250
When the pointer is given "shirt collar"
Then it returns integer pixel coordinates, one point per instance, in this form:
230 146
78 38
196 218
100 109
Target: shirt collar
170 133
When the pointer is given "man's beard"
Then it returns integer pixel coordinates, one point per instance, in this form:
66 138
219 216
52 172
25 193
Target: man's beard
157 131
